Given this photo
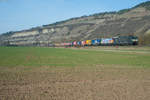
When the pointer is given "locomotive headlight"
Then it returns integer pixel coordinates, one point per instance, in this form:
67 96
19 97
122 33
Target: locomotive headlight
134 40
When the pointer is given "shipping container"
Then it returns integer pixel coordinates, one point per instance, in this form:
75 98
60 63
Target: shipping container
83 43
57 44
88 42
107 41
67 44
93 42
96 42
79 43
75 43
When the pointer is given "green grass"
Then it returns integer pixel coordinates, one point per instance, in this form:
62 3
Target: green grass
63 57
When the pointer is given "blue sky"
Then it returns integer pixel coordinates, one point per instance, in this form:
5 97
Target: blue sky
23 14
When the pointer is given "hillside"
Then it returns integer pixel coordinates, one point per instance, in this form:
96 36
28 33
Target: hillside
133 21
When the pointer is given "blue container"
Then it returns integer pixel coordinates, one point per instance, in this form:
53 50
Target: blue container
97 41
79 43
93 42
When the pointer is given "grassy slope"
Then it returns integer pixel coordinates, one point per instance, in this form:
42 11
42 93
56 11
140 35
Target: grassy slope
60 57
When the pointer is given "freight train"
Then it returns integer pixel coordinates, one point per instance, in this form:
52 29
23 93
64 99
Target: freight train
115 41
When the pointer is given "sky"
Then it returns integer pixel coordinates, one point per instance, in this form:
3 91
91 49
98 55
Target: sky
17 15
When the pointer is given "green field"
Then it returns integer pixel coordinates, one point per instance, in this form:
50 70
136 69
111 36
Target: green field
66 57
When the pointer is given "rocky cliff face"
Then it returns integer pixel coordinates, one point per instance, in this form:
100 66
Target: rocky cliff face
134 21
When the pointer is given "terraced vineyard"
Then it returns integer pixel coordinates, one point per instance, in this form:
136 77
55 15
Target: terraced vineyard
105 73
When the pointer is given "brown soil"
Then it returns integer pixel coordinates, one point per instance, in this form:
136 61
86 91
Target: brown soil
78 83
